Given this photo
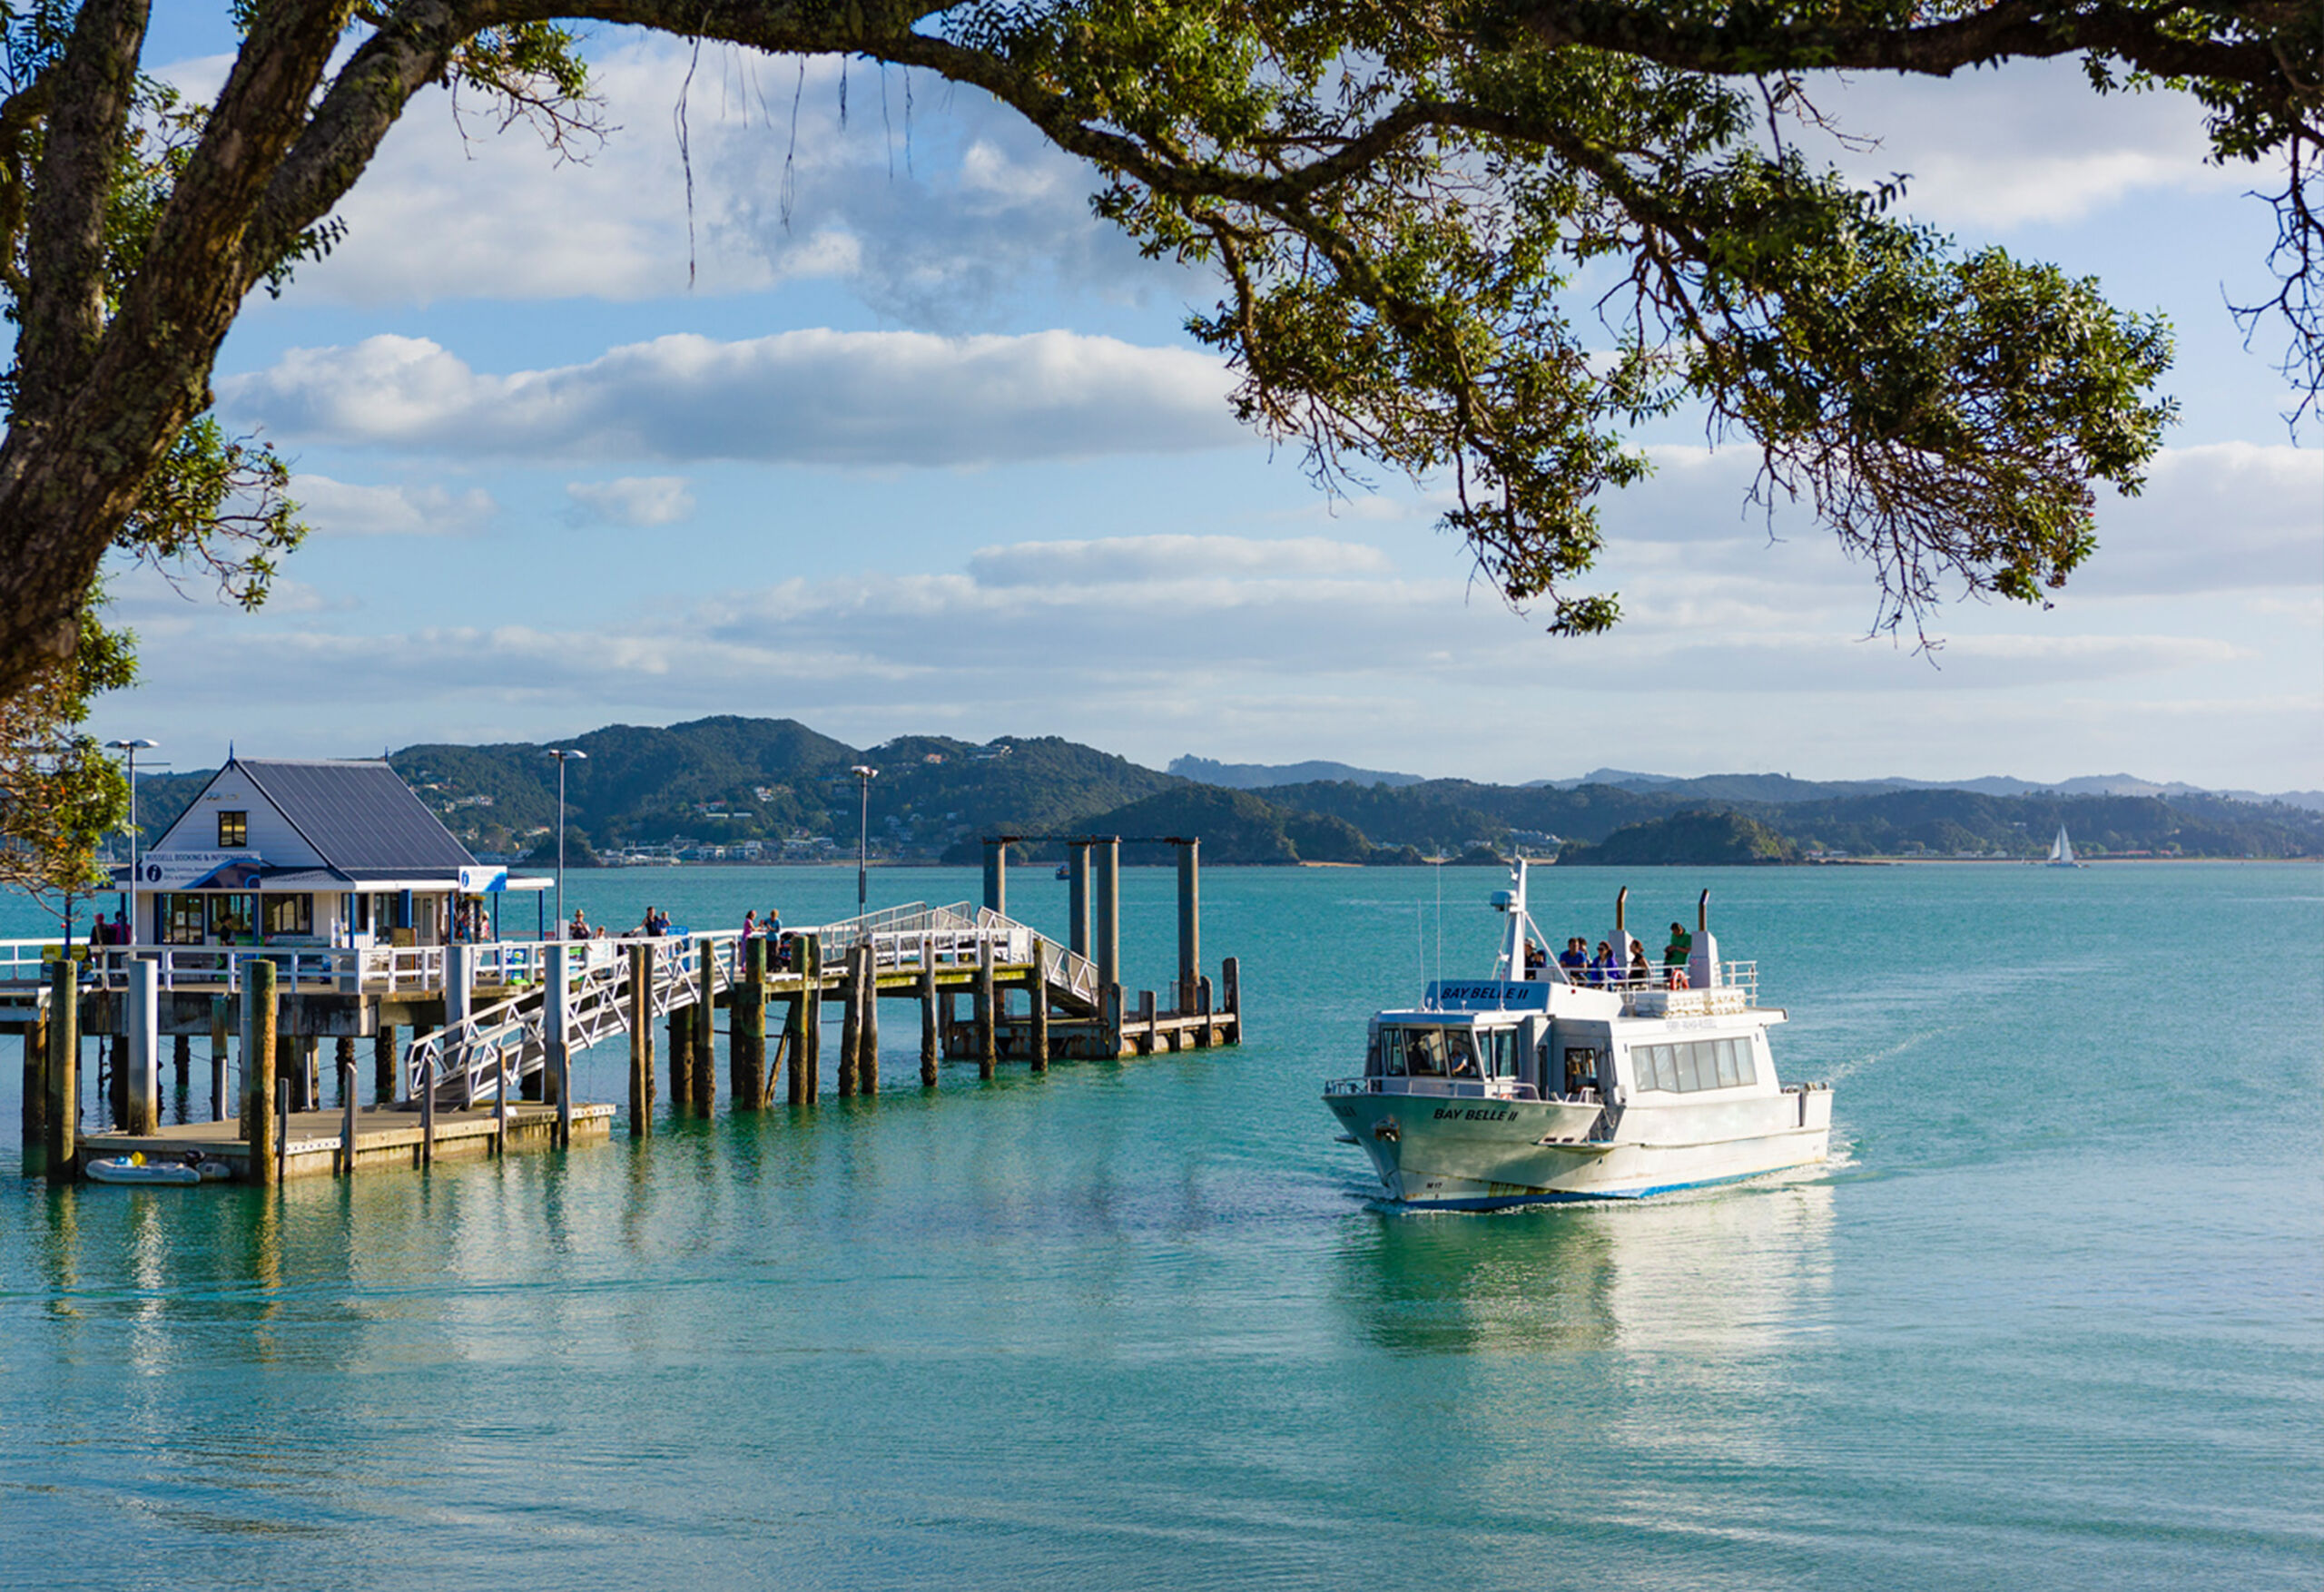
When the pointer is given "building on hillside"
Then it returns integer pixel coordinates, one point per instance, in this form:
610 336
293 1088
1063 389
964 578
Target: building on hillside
316 853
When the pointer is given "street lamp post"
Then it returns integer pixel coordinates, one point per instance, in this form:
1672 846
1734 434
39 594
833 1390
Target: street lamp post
132 748
563 755
863 778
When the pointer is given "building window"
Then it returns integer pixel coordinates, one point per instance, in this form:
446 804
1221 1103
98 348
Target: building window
234 831
183 919
289 914
230 918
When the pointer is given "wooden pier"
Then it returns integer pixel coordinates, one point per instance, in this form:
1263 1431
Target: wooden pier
492 1028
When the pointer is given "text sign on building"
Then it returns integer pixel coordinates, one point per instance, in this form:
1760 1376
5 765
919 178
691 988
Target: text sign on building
482 882
168 870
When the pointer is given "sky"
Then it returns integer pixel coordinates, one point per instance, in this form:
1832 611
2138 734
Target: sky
887 434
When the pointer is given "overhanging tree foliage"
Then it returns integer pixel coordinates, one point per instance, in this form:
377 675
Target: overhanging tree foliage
1404 202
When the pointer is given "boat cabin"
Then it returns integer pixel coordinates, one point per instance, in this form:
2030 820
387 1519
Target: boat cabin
1542 1041
337 853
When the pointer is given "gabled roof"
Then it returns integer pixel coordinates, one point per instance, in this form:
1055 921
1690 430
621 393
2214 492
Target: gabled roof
360 816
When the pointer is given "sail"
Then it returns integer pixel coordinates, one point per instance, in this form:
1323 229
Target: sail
2062 848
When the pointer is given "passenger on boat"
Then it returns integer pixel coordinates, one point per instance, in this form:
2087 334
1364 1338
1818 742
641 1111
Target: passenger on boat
1682 947
1605 967
1536 958
1459 1059
1575 959
1641 970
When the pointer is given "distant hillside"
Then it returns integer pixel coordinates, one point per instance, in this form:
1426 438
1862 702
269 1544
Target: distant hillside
1696 839
1260 776
730 778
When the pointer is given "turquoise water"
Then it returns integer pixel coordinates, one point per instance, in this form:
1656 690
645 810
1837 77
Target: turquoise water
2055 1319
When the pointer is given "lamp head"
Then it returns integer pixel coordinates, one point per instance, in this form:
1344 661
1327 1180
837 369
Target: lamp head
139 744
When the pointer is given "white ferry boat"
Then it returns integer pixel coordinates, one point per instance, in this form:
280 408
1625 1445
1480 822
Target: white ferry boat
1548 1083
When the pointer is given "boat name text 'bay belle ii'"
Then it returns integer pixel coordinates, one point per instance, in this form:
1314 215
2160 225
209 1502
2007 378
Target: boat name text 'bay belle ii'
1546 1082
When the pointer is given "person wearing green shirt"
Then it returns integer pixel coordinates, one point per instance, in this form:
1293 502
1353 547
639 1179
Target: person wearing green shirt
1682 947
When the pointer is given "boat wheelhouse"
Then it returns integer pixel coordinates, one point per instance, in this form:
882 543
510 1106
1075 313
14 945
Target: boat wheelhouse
1546 1082
336 853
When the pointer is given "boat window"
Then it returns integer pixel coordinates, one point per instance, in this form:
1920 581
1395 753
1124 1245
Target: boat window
1423 1050
1693 1067
1581 1068
1500 1048
1459 1055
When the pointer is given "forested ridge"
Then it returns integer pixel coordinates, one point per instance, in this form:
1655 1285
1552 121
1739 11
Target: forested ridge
728 781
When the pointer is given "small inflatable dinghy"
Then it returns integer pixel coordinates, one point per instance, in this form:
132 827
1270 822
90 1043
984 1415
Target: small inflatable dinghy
136 1168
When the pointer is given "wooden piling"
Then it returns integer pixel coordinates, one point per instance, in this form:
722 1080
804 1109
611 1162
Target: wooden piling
345 1058
641 1042
261 1131
867 1049
1204 1037
932 1039
287 1067
217 1058
112 1059
811 1035
680 1034
794 1048
343 1065
383 1064
138 1052
34 1143
987 1004
181 1065
1146 1018
64 1062
1038 986
704 1031
851 1020
1189 922
1109 1019
1230 997
747 1032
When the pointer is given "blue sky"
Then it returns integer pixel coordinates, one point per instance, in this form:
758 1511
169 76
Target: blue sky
931 453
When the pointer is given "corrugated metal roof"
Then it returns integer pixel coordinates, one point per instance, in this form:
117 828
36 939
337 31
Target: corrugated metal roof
359 815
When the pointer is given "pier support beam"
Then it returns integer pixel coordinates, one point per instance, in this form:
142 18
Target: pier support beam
747 1032
931 1041
260 1131
383 1064
1038 986
182 1068
680 1039
557 1030
996 874
868 1028
987 1002
139 1056
36 1099
812 1054
1230 997
221 1016
64 1065
1189 921
851 1020
794 1048
705 1029
1076 897
1109 912
342 1065
641 1042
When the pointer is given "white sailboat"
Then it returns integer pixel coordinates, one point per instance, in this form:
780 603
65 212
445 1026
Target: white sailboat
2062 852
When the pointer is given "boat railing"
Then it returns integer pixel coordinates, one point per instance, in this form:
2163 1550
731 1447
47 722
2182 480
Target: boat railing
1435 1088
1736 990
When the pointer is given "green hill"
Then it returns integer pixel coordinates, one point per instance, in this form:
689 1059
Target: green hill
1695 839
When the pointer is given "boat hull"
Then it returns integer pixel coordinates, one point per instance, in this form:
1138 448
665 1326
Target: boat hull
1434 1153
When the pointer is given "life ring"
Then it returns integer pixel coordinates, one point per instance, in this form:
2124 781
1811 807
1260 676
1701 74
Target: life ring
1677 978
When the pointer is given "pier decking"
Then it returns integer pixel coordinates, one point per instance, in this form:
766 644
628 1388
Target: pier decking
491 1030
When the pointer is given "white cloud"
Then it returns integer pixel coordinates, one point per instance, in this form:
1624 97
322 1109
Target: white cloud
934 227
815 397
2026 142
342 508
633 500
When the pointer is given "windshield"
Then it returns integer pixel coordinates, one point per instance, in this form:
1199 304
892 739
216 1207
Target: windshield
1439 1050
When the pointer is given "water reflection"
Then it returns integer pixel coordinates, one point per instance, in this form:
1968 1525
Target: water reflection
1697 1275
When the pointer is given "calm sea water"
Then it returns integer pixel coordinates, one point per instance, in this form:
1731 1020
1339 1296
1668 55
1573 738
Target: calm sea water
2055 1318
